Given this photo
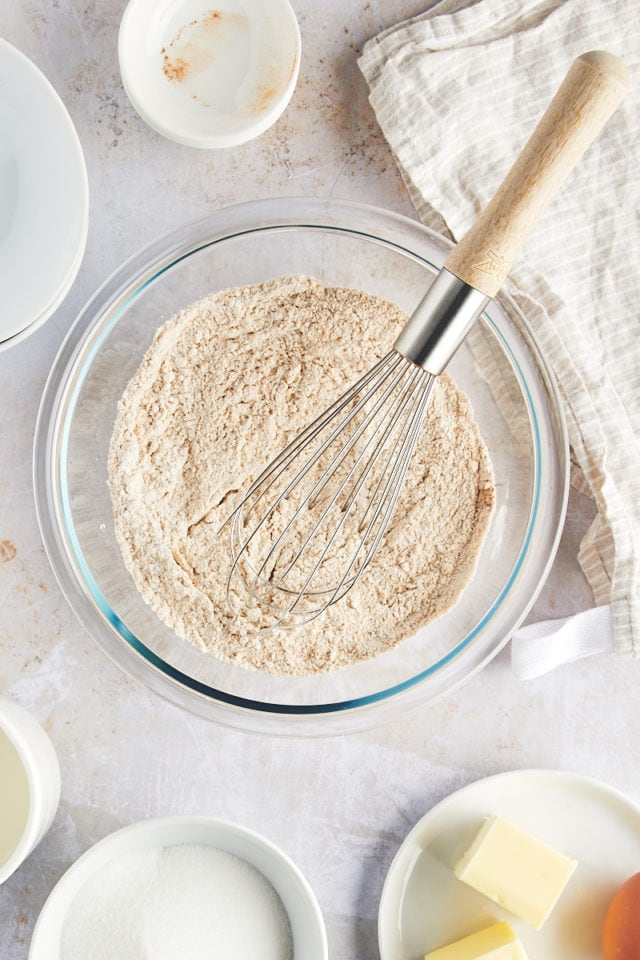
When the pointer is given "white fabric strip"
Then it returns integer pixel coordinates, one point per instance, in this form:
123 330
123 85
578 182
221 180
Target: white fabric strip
456 93
539 647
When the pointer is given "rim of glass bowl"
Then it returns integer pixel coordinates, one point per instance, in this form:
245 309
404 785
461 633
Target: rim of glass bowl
56 523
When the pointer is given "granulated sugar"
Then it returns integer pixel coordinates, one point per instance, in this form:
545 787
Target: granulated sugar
183 902
225 385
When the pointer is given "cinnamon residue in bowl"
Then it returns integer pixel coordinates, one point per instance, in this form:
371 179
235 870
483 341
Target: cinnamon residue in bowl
195 46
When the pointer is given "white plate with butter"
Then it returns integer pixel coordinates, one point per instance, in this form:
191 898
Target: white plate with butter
424 906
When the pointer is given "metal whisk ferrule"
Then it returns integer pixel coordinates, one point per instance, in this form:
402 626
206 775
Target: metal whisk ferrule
440 322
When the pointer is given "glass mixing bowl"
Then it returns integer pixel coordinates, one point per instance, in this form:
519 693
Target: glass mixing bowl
344 244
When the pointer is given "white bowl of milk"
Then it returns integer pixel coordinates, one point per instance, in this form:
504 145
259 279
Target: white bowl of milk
29 785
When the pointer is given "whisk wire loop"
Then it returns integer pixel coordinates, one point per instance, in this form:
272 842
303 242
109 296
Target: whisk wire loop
305 437
277 466
399 460
394 487
330 470
351 499
363 444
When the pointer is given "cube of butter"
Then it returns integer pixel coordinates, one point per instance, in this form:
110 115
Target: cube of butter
498 942
514 869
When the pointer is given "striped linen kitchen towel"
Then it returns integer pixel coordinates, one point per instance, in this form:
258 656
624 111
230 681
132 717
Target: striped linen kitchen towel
456 91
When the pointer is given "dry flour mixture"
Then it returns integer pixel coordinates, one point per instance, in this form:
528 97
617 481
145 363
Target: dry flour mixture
224 386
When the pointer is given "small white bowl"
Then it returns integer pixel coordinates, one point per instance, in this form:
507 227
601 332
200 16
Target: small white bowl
209 76
37 758
300 904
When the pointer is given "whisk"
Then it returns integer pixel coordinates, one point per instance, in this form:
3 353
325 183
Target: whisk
308 526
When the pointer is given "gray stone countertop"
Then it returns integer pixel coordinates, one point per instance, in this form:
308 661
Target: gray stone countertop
340 807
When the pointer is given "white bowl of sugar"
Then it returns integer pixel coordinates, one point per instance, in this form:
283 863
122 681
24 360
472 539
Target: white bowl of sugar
29 785
184 887
209 76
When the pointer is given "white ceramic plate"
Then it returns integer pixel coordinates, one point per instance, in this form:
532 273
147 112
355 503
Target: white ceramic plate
307 925
44 198
424 906
209 76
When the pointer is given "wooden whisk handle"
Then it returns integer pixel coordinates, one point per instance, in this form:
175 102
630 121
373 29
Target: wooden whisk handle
594 86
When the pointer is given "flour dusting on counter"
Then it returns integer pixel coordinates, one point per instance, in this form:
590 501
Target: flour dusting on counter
226 384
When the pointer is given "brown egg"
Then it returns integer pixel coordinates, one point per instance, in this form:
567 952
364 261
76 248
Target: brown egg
621 934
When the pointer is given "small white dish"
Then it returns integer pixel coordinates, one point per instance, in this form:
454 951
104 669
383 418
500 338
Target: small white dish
44 198
209 76
301 906
424 906
29 785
